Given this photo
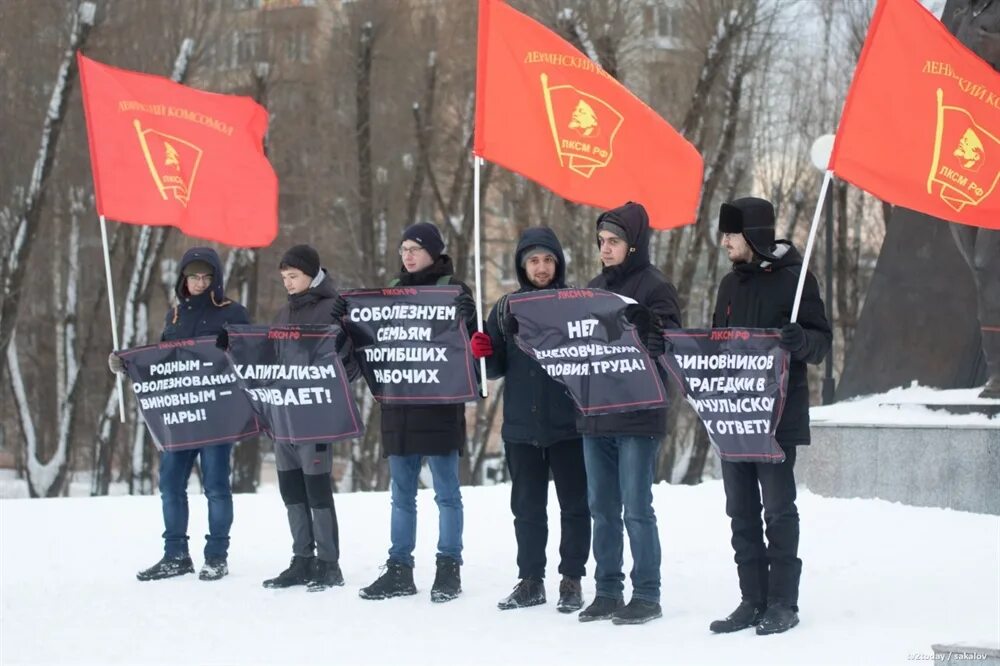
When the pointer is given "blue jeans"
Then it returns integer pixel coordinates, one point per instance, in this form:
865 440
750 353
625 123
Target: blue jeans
620 472
175 470
444 470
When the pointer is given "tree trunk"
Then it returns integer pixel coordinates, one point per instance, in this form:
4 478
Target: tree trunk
25 233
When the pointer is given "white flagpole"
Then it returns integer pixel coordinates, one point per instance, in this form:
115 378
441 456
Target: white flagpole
809 245
476 163
111 307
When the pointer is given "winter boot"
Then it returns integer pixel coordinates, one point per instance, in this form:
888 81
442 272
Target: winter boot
528 592
638 611
213 569
570 595
168 567
747 614
447 580
602 608
324 575
778 618
396 581
297 573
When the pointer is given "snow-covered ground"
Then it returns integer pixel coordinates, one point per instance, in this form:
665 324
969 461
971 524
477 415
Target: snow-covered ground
913 406
881 583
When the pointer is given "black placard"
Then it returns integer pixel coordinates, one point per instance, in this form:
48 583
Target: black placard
736 380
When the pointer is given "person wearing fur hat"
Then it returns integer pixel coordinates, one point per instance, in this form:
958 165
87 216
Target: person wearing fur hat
413 433
201 309
759 293
304 469
620 450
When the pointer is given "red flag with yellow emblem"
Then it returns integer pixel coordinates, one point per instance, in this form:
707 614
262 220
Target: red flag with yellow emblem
921 124
546 111
164 154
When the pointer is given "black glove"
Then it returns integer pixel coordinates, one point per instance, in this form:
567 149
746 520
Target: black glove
793 339
639 316
655 344
339 310
466 306
222 340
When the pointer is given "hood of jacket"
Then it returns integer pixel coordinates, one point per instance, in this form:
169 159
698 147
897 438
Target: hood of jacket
209 256
633 219
544 237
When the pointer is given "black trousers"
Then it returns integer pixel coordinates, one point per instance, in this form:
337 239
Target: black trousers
529 467
770 573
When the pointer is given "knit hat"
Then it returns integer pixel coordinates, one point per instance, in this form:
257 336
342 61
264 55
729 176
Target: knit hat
427 235
535 250
613 228
752 217
302 257
198 267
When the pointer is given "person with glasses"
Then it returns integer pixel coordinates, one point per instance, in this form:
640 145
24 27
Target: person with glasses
201 309
412 433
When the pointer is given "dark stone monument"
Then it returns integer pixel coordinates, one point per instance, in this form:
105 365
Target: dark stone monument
932 313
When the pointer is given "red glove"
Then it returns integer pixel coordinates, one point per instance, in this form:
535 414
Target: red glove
482 346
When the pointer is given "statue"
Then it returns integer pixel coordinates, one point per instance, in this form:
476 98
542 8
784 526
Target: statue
976 23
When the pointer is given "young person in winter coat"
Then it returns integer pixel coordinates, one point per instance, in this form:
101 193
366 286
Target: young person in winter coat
202 309
304 469
412 433
759 293
620 450
540 437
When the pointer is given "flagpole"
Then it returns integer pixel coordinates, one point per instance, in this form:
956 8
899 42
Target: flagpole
111 307
476 163
809 244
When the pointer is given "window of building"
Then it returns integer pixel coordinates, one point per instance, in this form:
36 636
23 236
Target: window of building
297 46
648 20
666 21
249 47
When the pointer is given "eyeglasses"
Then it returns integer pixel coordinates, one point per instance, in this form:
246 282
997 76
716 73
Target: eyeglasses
403 251
207 279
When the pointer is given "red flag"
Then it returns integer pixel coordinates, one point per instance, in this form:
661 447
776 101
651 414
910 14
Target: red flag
166 154
921 124
546 111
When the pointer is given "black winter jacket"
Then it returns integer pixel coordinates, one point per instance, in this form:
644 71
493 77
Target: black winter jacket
760 294
536 408
207 313
314 306
639 280
427 430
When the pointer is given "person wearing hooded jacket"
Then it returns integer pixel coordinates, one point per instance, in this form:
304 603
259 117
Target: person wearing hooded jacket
540 437
201 309
412 433
304 469
620 450
759 293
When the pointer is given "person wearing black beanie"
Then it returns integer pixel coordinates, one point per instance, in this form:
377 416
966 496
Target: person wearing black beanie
411 433
302 257
427 236
304 469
